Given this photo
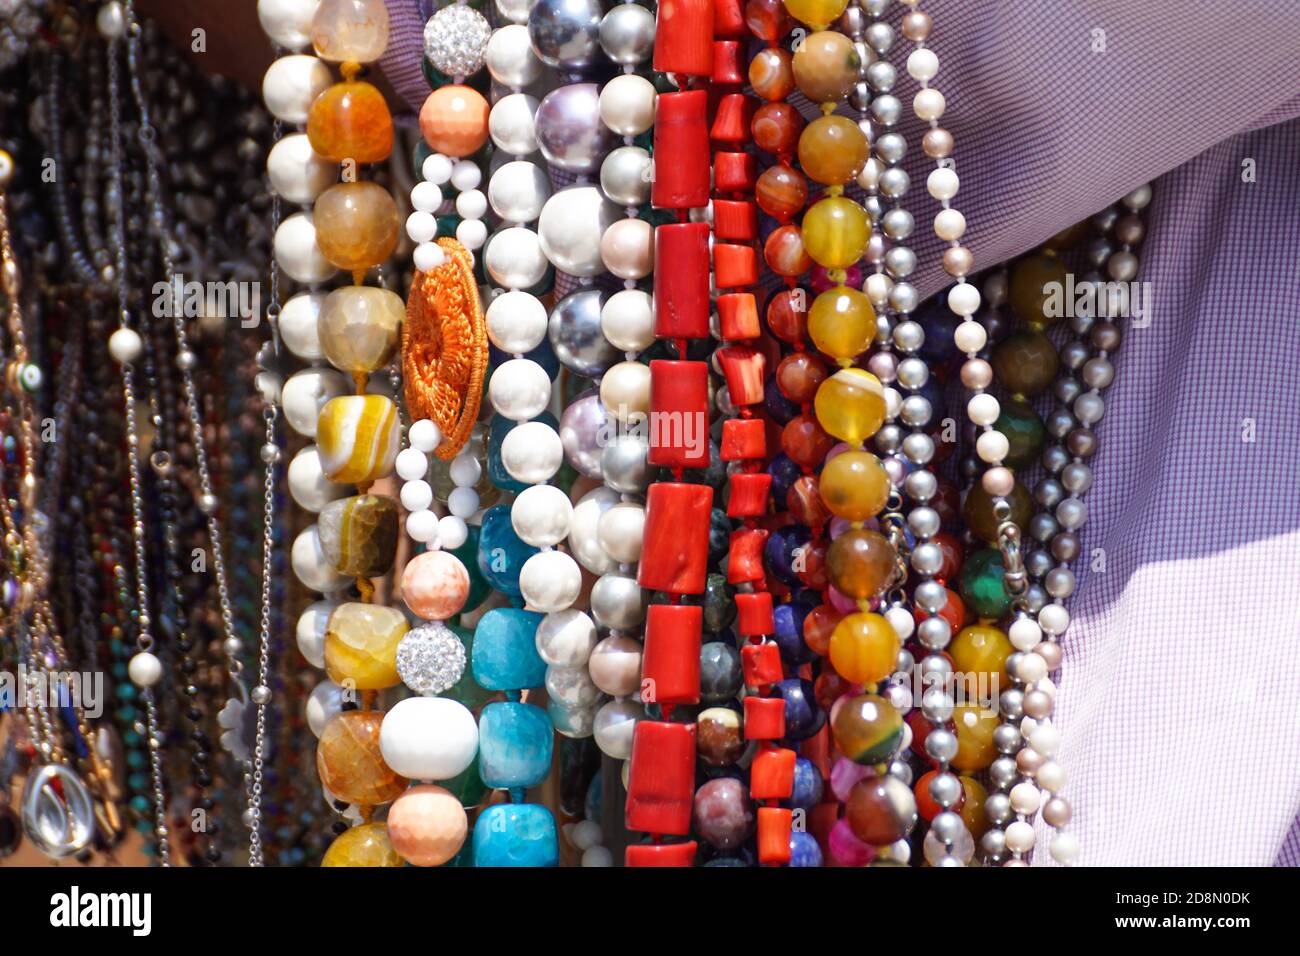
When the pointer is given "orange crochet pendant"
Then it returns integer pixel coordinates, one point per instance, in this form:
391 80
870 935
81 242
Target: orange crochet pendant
445 348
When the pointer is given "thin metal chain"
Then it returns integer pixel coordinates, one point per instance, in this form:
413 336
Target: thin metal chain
144 639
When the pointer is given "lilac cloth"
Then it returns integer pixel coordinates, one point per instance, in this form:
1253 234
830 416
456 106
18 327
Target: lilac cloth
1178 701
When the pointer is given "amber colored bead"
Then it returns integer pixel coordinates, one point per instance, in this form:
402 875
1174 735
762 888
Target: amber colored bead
356 225
1025 362
818 626
365 845
861 563
864 648
818 14
771 74
454 120
799 374
805 503
880 810
351 121
718 736
777 127
1035 280
832 149
981 651
974 725
350 30
830 687
784 251
781 192
768 20
1070 236
842 322
787 315
854 485
978 511
972 806
826 66
804 441
814 573
349 761
851 405
867 729
835 232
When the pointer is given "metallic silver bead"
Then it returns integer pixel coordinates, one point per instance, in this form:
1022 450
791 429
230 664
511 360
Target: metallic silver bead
993 843
1071 513
1098 252
903 297
1034 598
909 336
1012 703
625 175
208 504
918 447
1059 423
186 361
261 694
899 852
931 596
901 770
627 34
1098 373
1076 477
1059 583
900 261
1048 492
1006 737
1067 389
898 224
1138 198
617 601
853 21
1065 546
927 558
890 148
871 203
945 789
1042 527
624 466
888 439
1055 458
941 744
860 96
1081 322
924 522
270 453
886 109
997 807
1074 354
1003 772
881 36
1088 408
947 827
934 636
905 662
893 183
455 40
232 647
921 485
1038 563
937 705
915 411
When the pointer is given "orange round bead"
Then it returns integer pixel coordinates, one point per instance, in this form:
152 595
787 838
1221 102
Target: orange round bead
454 120
861 563
351 121
864 648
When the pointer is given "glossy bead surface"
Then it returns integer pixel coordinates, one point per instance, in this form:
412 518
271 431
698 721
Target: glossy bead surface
356 225
427 825
851 405
832 150
515 743
974 725
359 534
504 655
979 515
723 815
429 738
981 650
826 66
350 30
454 120
719 737
1025 362
360 327
771 74
1024 431
854 485
818 14
982 585
835 232
867 729
351 121
781 192
784 252
350 763
864 648
777 128
361 645
365 845
1034 281
881 810
860 563
805 441
842 322
516 834
357 438
435 585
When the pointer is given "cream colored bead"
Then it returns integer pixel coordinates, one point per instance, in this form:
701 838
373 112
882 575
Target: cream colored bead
1025 798
929 104
950 225
983 409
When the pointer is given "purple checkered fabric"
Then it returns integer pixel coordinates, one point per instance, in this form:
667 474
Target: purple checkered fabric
1178 699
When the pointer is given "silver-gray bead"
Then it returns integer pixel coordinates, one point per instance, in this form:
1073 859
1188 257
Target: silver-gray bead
931 596
881 36
941 744
945 789
576 337
888 438
1071 513
993 843
921 485
1122 266
625 175
208 504
617 601
918 446
570 133
900 261
1034 598
1059 422
890 148
898 224
1067 389
1138 198
900 852
624 466
886 109
1074 354
853 21
1055 458
860 96
261 694
997 807
893 184
937 705
924 522
1003 772
901 770
1048 492
1006 737
909 336
1076 477
1012 703
947 827
514 11
1098 373
934 636
565 33
627 33
913 373
1059 583
1088 408
1098 251
927 558
903 297
1038 563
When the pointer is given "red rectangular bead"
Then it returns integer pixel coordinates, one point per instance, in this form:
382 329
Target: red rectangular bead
764 718
754 614
738 316
670 660
735 219
682 132
729 19
771 775
743 367
774 824
749 494
675 543
684 37
661 780
761 664
732 118
733 266
681 284
728 63
745 558
660 854
679 414
743 438
734 172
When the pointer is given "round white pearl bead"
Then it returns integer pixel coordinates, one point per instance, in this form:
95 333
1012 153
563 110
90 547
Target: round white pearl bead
324 702
627 320
471 204
520 390
949 224
465 470
425 435
964 300
296 173
1053 619
903 622
311 565
583 835
1024 798
1020 837
627 104
291 85
550 581
971 337
627 248
597 856
305 394
411 464
428 738
422 526
1025 634
287 22
620 532
463 502
532 452
421 226
942 183
540 515
471 233
615 723
928 104
511 125
299 321
426 197
308 484
1064 848
518 191
514 258
983 409
437 170
565 638
428 256
992 446
510 57
1031 668
466 175
125 345
571 226
416 495
452 532
144 669
516 322
922 64
310 631
297 252
1045 739
1051 777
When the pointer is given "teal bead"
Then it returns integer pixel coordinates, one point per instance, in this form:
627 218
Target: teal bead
501 554
514 745
135 759
982 586
504 655
141 805
468 554
467 786
126 691
138 782
516 834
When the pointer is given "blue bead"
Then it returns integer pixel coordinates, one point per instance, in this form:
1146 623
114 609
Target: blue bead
514 745
803 717
778 406
504 655
808 786
804 850
782 550
784 474
501 554
788 628
516 834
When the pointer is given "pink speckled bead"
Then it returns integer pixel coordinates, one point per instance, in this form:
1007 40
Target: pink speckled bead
845 848
427 825
435 585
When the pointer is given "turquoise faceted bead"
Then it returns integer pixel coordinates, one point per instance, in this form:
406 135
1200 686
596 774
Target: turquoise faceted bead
504 656
514 745
501 554
516 834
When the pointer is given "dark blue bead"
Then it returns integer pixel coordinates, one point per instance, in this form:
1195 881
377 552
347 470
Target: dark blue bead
778 406
808 785
784 474
803 717
804 850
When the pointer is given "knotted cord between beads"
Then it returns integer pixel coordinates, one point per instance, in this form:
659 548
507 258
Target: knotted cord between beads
444 348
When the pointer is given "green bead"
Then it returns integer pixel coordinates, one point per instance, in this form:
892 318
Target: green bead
982 586
141 804
468 787
1025 433
467 690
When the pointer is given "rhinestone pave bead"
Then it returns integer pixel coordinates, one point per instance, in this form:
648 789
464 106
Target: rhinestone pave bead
455 40
431 658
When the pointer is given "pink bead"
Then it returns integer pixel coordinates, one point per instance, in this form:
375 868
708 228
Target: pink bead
841 603
427 825
844 774
435 585
821 281
846 849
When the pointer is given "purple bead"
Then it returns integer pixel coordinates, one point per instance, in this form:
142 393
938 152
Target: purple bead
724 816
582 432
844 774
778 406
780 551
784 474
803 717
787 629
